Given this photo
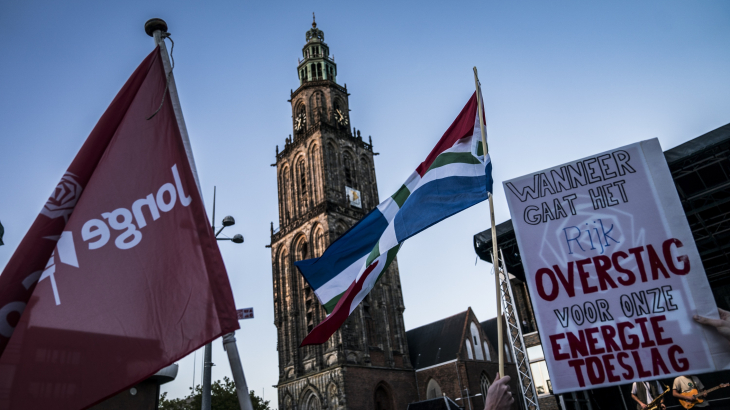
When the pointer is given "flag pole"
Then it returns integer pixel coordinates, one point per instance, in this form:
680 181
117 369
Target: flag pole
495 261
157 29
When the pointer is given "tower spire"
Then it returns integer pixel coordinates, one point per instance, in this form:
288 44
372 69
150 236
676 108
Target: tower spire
317 64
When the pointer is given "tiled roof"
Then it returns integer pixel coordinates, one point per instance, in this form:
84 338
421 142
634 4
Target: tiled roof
436 342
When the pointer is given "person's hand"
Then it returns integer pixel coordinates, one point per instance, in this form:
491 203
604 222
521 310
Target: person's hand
643 406
722 324
499 396
663 406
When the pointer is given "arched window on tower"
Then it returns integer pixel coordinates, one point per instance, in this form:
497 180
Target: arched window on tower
349 175
313 403
302 181
285 196
383 400
318 239
317 102
315 174
331 171
364 177
319 70
302 252
469 354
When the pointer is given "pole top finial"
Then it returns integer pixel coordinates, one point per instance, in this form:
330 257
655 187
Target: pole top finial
314 22
153 25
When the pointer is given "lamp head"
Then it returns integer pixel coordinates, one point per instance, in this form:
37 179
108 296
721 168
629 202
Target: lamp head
237 238
229 221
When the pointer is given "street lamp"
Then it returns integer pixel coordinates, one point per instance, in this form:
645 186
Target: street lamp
228 221
468 397
229 338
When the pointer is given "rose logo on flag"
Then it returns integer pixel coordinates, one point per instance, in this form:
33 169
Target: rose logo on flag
64 198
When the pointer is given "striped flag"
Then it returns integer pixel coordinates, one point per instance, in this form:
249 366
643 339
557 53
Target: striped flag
454 176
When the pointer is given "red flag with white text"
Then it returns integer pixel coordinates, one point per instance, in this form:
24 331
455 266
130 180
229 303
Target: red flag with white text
120 275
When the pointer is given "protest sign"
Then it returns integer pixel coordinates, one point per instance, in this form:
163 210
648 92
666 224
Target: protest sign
613 271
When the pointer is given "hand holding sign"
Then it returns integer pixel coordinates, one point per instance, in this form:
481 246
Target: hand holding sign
499 396
722 325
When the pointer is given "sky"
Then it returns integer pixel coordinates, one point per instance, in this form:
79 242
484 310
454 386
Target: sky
561 80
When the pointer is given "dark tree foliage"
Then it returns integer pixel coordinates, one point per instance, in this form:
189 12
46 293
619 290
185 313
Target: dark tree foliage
223 393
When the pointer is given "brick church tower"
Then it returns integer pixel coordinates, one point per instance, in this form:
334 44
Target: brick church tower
326 183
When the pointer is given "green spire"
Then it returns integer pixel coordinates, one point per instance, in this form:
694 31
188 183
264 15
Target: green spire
317 64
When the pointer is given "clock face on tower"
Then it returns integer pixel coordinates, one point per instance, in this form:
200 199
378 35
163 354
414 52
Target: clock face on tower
341 119
300 122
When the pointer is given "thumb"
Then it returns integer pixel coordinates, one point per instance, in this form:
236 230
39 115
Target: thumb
497 377
707 321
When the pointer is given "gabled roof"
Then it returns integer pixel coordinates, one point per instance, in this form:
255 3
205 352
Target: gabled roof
436 342
439 403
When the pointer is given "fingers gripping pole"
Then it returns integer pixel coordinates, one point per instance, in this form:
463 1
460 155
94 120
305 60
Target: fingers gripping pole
500 336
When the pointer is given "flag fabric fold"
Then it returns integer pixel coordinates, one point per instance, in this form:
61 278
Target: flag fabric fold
455 176
120 275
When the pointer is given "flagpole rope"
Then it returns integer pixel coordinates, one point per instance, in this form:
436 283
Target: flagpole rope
169 75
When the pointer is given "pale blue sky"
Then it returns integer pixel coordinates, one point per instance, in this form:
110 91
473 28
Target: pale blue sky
561 80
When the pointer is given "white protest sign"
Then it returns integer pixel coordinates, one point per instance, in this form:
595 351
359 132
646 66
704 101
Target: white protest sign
613 271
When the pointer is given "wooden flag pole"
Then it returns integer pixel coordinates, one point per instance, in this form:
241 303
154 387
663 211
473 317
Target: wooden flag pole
495 261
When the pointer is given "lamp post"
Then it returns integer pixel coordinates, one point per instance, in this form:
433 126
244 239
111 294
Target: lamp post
468 397
229 341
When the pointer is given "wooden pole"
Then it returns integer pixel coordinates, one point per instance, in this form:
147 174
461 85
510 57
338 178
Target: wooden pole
495 254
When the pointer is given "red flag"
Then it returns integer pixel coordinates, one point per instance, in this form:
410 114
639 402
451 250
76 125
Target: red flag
122 264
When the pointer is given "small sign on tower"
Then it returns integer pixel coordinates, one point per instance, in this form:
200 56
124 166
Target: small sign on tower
353 195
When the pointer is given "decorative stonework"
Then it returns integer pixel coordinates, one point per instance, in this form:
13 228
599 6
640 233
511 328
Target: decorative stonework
317 163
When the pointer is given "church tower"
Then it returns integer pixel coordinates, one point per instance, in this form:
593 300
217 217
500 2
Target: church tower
326 183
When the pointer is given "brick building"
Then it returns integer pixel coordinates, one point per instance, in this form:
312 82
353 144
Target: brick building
457 357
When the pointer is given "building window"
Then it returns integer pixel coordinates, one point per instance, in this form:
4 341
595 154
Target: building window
540 375
433 390
486 351
468 350
477 342
484 385
348 172
302 179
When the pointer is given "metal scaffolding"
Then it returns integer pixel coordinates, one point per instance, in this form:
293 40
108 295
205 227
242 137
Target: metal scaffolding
514 332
